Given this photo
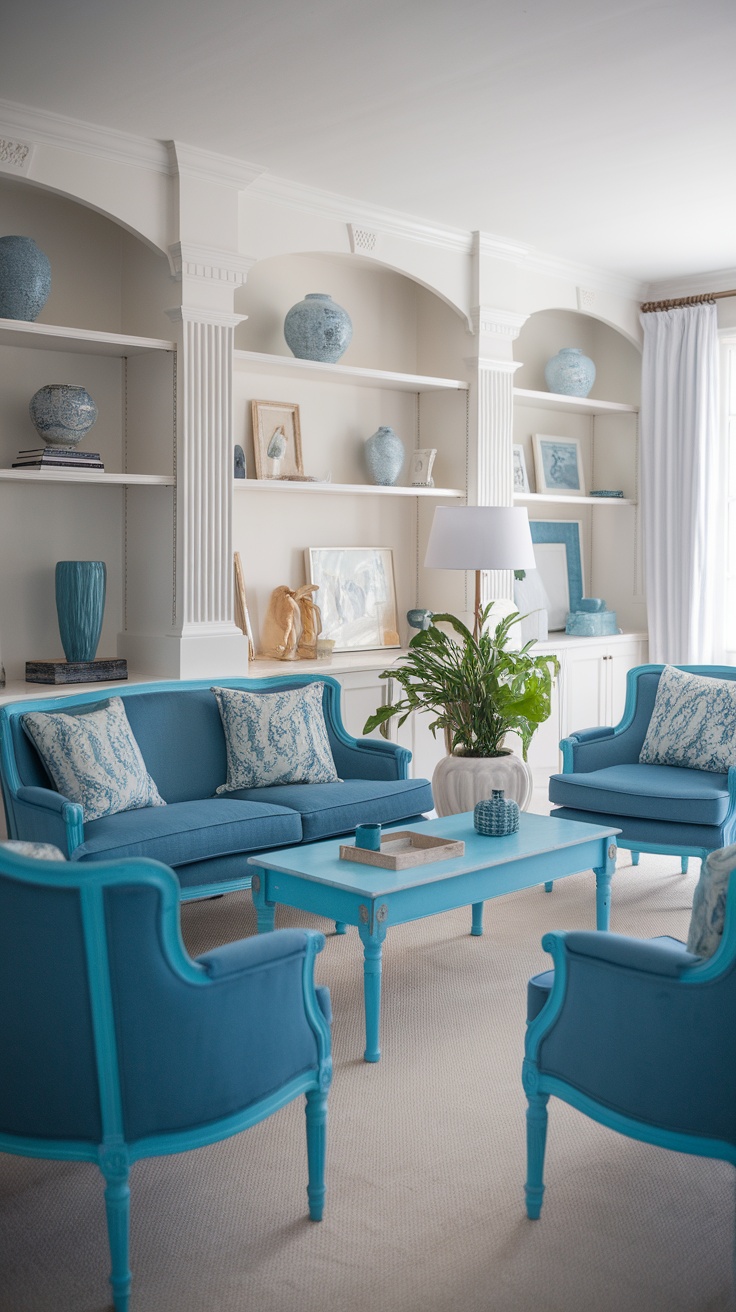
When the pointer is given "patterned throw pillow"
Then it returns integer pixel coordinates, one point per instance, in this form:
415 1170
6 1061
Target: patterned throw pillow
275 737
42 851
693 723
709 903
93 758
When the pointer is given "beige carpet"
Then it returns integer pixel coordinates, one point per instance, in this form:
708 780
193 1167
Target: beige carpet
425 1205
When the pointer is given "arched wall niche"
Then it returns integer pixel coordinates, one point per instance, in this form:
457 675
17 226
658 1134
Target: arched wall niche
104 275
399 323
616 357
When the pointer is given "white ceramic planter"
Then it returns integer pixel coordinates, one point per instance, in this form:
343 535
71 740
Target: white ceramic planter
459 782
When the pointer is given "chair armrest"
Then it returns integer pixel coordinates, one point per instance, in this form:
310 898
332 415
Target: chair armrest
594 749
658 956
251 954
45 816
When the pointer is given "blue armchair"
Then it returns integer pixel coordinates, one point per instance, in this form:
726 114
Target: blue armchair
636 1034
657 807
115 1044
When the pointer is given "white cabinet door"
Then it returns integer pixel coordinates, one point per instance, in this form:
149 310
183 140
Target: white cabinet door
584 686
621 659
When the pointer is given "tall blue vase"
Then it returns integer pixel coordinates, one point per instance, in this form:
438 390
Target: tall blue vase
80 605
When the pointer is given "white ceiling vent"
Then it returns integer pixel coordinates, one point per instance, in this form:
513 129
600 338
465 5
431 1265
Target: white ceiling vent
362 240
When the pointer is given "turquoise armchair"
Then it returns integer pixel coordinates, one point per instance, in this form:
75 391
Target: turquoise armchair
637 1034
115 1044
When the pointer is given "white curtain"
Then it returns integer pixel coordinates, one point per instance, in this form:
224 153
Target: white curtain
679 481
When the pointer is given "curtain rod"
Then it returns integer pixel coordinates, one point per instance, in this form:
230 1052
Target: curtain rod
706 297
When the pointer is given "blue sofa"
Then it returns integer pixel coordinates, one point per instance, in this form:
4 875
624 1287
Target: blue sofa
204 838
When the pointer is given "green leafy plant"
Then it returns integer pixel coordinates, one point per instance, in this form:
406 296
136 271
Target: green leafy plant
477 688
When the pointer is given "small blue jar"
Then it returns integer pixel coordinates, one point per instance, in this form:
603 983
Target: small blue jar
496 816
570 373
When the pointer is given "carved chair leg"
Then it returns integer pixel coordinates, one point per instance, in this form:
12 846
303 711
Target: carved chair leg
536 1139
316 1113
114 1167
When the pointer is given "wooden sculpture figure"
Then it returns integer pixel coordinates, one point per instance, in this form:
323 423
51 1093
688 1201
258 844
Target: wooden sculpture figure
311 618
281 625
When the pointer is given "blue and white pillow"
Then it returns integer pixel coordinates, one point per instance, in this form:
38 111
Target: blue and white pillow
275 737
693 723
93 758
41 851
709 903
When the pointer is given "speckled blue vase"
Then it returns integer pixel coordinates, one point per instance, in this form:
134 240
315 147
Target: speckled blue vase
570 373
496 816
80 605
318 329
25 278
384 455
62 414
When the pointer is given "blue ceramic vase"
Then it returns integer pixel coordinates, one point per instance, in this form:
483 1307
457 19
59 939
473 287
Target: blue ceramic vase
570 373
80 605
384 456
62 414
496 816
318 329
25 278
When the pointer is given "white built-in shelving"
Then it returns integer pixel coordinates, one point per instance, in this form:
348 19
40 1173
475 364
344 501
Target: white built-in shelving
580 405
348 374
341 489
52 337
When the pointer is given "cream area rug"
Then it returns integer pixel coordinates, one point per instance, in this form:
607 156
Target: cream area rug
426 1156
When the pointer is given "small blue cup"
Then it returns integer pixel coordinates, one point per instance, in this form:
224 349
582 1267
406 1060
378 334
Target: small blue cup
368 836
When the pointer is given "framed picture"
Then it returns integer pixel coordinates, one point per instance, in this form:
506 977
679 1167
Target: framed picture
521 478
357 596
559 560
420 467
558 465
277 439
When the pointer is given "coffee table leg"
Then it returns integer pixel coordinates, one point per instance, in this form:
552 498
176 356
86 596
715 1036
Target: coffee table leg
603 889
372 964
477 926
265 911
340 927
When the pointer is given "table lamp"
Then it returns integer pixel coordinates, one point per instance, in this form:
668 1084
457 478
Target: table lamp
478 538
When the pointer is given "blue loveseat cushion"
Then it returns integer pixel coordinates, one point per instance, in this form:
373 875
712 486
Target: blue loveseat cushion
330 809
652 792
189 832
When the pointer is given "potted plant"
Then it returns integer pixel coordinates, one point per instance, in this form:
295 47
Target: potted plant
478 690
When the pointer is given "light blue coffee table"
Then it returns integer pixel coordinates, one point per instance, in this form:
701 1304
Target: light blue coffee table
314 878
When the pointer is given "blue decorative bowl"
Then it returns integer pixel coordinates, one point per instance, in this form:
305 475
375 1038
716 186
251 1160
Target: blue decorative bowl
318 329
25 278
570 373
62 414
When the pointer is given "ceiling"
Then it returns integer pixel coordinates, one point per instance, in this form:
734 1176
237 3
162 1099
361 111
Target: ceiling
593 130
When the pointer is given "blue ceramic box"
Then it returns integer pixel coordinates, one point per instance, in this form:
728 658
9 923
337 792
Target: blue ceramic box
591 624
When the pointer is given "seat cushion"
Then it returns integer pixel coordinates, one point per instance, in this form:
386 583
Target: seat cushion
652 792
330 809
187 832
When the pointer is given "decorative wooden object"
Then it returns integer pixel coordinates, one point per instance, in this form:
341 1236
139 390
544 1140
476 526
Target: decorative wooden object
242 618
311 621
58 671
403 849
280 633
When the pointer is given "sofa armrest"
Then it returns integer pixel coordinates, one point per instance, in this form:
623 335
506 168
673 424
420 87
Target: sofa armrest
44 816
370 758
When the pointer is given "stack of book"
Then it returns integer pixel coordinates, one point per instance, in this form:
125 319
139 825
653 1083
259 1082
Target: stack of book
56 457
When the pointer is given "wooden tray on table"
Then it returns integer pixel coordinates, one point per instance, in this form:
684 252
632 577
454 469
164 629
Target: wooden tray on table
403 848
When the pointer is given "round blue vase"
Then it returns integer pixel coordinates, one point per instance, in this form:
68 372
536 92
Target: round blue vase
384 455
318 329
62 414
80 605
25 278
496 816
570 373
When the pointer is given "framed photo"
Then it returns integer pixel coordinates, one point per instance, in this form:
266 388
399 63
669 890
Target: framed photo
357 596
277 439
559 560
521 478
558 465
420 467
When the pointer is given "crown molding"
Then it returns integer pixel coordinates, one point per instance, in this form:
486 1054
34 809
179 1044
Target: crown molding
694 284
208 263
208 166
488 322
36 127
190 314
358 214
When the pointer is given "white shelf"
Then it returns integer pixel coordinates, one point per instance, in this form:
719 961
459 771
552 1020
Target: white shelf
537 498
342 373
50 337
90 476
342 489
580 405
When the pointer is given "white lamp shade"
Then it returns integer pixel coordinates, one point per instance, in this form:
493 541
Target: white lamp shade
480 537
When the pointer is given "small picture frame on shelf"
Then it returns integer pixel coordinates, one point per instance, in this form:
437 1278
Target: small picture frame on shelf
558 465
521 478
277 439
420 467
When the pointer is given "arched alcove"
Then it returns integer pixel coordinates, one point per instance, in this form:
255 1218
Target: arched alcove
617 360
